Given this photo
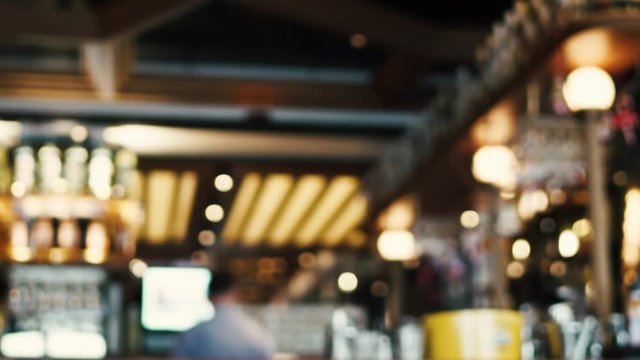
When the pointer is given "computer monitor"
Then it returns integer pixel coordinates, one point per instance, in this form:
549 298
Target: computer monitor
175 298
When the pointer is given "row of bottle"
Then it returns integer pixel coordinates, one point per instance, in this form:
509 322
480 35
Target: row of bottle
49 170
71 234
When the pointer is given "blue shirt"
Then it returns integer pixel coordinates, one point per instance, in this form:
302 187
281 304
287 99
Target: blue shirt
229 335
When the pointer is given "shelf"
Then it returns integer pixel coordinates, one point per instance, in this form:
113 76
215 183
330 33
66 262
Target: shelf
69 206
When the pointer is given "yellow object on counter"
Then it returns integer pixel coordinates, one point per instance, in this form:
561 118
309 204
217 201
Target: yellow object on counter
490 334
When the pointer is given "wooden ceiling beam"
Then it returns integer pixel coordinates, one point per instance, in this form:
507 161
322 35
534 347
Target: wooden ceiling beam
383 26
164 90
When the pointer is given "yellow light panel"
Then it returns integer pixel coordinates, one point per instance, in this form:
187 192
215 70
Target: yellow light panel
352 215
246 193
161 186
338 191
631 229
184 204
275 189
304 194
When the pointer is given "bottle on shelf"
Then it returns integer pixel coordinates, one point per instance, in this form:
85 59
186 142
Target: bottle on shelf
75 169
50 170
24 171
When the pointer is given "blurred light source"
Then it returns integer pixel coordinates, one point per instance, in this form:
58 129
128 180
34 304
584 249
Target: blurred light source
223 182
558 268
307 260
469 219
589 88
520 249
349 218
18 189
591 47
400 215
358 40
138 267
273 192
95 256
339 190
515 270
557 196
531 203
582 227
241 206
21 253
23 345
214 213
347 282
496 165
79 133
397 245
631 229
206 238
496 127
568 244
183 205
304 193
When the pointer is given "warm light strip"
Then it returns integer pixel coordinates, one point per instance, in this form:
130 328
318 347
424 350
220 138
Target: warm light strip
161 186
246 193
631 229
352 215
304 194
184 205
338 191
275 189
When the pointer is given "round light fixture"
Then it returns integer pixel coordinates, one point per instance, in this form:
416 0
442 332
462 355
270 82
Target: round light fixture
496 165
520 249
214 213
589 88
397 245
223 182
347 282
568 244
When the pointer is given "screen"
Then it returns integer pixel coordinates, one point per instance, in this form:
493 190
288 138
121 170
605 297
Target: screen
175 299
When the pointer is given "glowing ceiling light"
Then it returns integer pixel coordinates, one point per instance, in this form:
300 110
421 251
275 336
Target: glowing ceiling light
496 165
347 282
589 88
273 192
187 185
214 213
568 244
348 219
304 194
521 249
161 187
339 190
241 206
223 182
397 245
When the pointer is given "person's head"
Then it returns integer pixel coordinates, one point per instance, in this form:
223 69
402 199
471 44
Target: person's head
222 287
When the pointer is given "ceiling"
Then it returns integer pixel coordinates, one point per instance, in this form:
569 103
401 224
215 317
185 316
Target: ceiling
294 95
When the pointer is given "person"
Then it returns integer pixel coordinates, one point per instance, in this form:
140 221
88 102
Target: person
230 334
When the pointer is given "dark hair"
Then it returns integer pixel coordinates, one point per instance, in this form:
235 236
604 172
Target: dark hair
221 282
